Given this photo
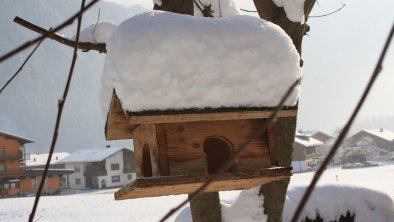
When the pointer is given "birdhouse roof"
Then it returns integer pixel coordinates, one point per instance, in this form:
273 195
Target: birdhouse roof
166 62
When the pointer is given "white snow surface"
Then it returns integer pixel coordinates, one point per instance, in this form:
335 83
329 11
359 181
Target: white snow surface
40 159
91 155
331 201
160 60
307 143
346 189
97 33
219 8
294 9
382 133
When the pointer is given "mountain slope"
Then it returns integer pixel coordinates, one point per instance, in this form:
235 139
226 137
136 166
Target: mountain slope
28 106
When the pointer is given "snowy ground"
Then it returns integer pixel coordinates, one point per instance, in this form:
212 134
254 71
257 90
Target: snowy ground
101 206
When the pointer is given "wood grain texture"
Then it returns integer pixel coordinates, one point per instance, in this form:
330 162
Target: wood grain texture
162 150
117 126
173 185
192 117
272 145
185 143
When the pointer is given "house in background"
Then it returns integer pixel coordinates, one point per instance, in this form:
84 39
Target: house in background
381 138
58 174
321 136
100 168
11 163
306 152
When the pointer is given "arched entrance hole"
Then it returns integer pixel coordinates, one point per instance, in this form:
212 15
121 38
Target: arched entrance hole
218 151
146 161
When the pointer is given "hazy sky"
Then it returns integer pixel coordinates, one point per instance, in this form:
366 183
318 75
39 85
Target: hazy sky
339 55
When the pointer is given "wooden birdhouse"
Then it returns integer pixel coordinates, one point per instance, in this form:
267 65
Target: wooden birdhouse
175 152
188 112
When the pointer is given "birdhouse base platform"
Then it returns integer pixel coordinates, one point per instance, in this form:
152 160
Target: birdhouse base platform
186 184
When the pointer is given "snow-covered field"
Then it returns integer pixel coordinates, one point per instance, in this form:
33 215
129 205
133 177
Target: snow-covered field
100 205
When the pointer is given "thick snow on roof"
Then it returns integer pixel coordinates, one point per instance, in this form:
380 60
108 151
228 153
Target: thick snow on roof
294 9
332 200
97 33
41 159
382 133
161 60
222 8
308 142
91 155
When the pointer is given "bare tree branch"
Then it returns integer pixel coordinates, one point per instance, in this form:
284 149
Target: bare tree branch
344 131
84 46
318 16
58 28
59 116
230 162
21 67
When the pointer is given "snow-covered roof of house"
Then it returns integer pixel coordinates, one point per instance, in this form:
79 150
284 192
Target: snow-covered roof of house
308 142
168 61
382 133
34 159
14 136
92 155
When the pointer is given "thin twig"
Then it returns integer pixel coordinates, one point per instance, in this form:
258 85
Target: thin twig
84 46
98 19
240 149
245 10
344 131
21 67
59 116
318 16
34 41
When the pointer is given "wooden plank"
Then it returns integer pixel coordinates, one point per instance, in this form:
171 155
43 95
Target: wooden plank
117 126
185 144
173 185
272 145
174 118
162 150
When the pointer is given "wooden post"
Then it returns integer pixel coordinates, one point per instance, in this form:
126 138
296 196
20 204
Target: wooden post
205 207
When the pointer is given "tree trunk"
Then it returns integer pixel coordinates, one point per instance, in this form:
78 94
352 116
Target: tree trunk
206 207
177 6
269 11
275 193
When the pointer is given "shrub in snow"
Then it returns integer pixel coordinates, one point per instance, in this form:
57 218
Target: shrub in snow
161 60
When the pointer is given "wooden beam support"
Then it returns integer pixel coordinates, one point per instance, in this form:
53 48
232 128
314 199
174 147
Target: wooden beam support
174 118
185 184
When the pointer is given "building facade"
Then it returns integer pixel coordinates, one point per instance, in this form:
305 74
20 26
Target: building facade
11 163
100 168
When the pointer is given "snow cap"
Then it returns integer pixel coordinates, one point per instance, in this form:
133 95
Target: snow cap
161 60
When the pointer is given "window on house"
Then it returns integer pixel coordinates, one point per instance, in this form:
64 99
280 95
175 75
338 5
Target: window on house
2 167
310 150
77 169
2 152
115 179
35 182
115 166
6 186
77 181
129 177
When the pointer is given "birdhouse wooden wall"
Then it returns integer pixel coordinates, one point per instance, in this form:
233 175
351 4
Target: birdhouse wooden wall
189 148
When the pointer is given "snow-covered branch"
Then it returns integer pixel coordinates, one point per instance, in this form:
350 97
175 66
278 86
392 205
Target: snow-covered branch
84 46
